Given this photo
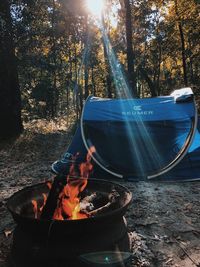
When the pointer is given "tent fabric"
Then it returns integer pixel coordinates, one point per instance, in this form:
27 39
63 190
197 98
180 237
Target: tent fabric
187 170
136 137
143 137
150 109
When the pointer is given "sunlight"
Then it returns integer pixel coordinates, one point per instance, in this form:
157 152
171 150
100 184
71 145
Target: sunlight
124 91
95 6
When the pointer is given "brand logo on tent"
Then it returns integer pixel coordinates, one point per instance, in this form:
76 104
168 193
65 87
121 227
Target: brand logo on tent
137 110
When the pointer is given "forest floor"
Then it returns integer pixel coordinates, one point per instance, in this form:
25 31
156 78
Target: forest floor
164 218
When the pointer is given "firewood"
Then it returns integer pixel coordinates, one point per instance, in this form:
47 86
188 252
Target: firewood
86 207
86 204
99 210
89 198
112 197
51 203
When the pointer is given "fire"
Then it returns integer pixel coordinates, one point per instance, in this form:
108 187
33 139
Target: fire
49 185
68 206
44 201
69 202
37 210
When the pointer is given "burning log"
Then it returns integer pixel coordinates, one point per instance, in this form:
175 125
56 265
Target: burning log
51 202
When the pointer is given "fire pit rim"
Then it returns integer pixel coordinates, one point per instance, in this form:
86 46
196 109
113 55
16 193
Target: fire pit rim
90 219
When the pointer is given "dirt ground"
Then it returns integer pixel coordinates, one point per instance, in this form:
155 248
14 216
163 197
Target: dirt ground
163 219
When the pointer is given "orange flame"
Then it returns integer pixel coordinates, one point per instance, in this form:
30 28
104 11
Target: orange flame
69 202
37 211
44 201
49 185
35 208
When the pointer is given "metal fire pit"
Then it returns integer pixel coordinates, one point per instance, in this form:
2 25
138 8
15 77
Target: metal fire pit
53 241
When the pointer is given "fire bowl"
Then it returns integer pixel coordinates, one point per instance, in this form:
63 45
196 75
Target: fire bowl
20 206
49 240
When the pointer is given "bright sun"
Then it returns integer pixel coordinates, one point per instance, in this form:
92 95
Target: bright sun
95 6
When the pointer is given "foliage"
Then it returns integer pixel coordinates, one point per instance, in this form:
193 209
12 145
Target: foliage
61 56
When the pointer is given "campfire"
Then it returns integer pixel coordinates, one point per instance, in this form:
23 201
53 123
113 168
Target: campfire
66 196
51 217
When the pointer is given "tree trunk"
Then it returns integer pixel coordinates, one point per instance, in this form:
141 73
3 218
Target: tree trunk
108 69
191 62
86 59
158 72
183 53
54 58
151 85
77 94
86 81
182 45
129 51
93 82
10 107
75 76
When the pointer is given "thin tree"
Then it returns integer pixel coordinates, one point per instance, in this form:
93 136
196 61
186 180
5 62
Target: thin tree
182 38
106 56
87 49
129 51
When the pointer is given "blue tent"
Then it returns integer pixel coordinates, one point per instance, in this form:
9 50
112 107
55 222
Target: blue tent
135 139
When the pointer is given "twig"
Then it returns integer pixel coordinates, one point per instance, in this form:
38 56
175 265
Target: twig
94 212
113 196
183 249
186 253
